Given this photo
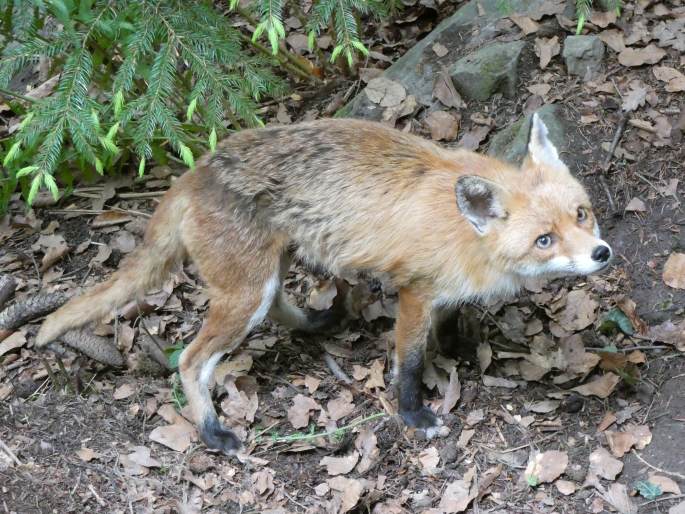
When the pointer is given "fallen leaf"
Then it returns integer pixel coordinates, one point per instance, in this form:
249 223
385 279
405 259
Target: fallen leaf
124 241
241 402
580 311
474 417
298 414
650 54
620 443
613 39
617 496
600 387
440 50
340 406
375 379
340 465
565 487
608 420
86 454
603 465
123 391
453 392
177 437
490 381
321 297
666 484
311 383
54 252
484 353
110 218
12 342
545 467
546 48
458 494
366 444
429 459
443 125
350 491
139 461
675 81
544 406
674 271
635 97
444 90
669 333
472 139
263 481
322 489
636 205
527 25
465 437
385 92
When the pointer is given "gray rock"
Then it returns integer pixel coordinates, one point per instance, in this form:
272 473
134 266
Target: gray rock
583 55
511 143
491 69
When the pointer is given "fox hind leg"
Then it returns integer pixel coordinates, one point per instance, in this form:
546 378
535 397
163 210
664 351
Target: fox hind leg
229 320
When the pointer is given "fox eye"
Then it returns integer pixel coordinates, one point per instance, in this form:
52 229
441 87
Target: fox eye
582 214
544 241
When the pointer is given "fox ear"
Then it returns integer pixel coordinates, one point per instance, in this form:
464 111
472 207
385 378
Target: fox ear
479 200
541 150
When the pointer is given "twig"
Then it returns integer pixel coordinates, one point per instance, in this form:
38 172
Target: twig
672 473
614 143
8 92
10 453
305 437
97 496
336 369
662 499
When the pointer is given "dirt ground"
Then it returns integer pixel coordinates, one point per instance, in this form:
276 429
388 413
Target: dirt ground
85 437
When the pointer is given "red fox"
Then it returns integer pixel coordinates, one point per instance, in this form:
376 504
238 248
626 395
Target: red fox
447 227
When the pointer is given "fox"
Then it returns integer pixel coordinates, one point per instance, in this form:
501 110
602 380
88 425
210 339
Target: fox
446 226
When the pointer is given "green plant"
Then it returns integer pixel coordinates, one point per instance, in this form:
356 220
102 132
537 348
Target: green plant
583 8
141 80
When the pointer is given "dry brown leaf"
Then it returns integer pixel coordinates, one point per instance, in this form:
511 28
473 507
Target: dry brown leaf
109 218
429 459
453 392
311 383
123 391
54 252
484 353
545 467
360 372
613 39
669 333
444 90
573 357
620 443
321 297
474 417
86 454
440 50
12 342
177 436
565 487
602 464
603 18
298 413
340 406
636 205
375 379
629 308
458 494
340 465
544 406
385 92
263 481
242 402
465 437
635 97
527 25
366 444
490 381
674 271
472 139
124 241
139 461
350 491
546 48
617 496
675 80
650 54
666 484
443 125
600 387
608 420
580 311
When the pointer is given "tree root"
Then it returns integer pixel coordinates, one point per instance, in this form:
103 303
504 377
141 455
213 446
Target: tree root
24 311
7 287
96 347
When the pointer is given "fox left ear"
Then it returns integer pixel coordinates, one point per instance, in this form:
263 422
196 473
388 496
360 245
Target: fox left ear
480 201
541 150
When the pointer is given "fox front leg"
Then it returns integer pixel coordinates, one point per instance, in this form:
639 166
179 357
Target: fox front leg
412 329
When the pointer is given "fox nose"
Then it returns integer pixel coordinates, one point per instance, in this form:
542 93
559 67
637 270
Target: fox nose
601 253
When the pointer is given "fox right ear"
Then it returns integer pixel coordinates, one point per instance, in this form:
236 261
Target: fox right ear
479 200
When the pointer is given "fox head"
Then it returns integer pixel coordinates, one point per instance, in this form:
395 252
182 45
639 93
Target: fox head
536 221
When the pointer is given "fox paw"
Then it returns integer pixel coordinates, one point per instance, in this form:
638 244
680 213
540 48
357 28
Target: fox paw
424 419
218 438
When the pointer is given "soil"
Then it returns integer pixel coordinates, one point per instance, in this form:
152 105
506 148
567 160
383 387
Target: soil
46 418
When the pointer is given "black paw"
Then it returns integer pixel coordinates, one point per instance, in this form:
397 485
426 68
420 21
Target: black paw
423 418
216 437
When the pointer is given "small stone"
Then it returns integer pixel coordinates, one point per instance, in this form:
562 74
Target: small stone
487 71
583 55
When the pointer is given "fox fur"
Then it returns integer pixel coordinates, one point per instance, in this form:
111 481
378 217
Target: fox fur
446 226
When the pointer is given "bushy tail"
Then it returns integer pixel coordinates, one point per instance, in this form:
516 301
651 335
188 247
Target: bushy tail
144 269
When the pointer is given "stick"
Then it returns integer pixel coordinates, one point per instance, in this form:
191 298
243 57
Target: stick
7 287
614 143
9 452
336 369
296 437
672 473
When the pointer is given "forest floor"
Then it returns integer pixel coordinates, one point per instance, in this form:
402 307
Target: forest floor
570 398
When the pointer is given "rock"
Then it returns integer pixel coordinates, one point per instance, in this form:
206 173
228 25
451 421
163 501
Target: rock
583 55
489 70
511 143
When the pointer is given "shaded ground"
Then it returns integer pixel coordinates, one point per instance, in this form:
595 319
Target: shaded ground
50 428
